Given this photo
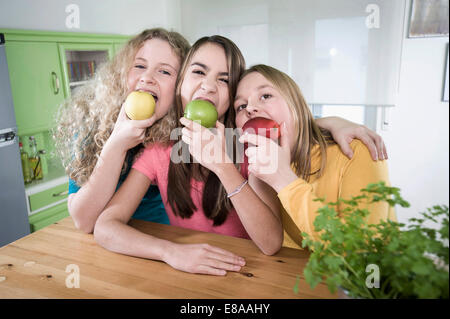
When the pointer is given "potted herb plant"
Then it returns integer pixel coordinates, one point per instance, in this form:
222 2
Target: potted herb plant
386 260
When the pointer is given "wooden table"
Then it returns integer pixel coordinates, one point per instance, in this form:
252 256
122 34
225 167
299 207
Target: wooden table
35 267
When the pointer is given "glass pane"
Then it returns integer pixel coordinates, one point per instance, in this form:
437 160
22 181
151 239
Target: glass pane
352 113
81 65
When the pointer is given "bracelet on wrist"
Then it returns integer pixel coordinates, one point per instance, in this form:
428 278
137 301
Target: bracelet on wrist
237 190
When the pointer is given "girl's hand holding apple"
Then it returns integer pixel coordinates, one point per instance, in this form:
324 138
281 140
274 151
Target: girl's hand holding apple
207 148
129 133
269 161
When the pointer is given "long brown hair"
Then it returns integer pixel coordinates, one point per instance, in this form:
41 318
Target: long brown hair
308 132
86 120
215 203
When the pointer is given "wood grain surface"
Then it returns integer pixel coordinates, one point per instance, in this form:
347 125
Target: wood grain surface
35 267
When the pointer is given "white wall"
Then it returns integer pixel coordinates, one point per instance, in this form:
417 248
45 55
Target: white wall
418 136
96 16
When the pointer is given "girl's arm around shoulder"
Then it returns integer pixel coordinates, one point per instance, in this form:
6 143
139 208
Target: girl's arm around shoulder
344 132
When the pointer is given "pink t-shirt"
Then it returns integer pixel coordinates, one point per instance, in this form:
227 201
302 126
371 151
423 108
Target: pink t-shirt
154 163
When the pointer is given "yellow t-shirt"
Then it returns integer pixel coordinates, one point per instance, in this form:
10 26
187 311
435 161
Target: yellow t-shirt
342 178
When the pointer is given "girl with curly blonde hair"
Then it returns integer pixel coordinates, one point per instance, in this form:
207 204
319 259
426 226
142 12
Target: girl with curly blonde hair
96 140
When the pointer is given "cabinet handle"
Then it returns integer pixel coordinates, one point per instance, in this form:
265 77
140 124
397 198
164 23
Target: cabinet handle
66 192
55 83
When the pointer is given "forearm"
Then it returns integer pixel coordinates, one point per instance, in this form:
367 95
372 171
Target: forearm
117 236
326 122
87 204
261 223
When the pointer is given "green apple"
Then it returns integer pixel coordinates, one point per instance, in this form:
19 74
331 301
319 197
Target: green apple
203 111
139 105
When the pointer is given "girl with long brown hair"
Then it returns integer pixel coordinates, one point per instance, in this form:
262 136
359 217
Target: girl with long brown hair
210 72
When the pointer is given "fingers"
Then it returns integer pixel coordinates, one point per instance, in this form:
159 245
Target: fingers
217 261
379 143
385 152
122 115
144 123
252 139
235 258
220 128
192 125
345 147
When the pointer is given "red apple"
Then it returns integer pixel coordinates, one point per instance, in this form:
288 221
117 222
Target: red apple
260 126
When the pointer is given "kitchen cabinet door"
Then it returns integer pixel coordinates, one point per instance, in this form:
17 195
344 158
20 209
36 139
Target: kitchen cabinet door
80 61
48 216
35 76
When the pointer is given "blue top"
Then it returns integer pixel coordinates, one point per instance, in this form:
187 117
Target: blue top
151 207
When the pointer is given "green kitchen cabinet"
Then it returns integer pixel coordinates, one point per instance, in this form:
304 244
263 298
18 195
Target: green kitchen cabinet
48 197
80 61
40 79
118 46
48 216
55 199
35 77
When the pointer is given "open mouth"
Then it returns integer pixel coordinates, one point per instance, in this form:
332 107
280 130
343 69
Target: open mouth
152 93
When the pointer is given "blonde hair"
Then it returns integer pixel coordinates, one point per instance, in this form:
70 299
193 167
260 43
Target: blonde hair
86 121
308 132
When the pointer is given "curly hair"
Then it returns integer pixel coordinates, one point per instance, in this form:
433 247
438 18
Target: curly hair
86 120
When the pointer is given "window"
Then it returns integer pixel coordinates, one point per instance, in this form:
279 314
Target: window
360 114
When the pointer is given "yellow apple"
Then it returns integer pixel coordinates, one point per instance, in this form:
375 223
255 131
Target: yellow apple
139 105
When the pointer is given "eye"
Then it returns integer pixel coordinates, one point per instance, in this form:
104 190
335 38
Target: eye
139 66
165 72
266 96
224 80
241 107
200 72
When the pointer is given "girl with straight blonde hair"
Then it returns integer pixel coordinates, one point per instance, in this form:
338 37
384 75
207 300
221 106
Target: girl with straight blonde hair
309 164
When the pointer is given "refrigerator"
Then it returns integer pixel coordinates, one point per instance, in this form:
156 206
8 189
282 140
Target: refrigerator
13 206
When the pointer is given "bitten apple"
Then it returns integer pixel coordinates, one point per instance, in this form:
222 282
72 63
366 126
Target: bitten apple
261 126
203 111
139 105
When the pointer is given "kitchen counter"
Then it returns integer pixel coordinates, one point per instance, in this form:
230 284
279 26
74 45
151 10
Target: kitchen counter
45 264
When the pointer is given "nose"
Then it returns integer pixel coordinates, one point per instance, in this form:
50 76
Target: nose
148 77
208 84
252 108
